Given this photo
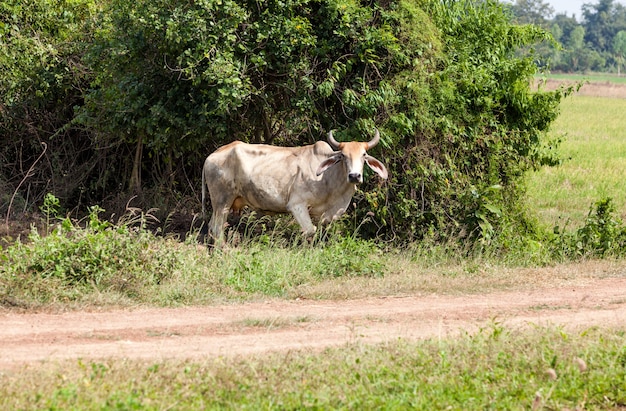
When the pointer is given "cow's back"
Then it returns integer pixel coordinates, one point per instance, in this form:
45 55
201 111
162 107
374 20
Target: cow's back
261 175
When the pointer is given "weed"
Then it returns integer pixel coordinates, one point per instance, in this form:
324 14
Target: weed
348 256
50 208
268 323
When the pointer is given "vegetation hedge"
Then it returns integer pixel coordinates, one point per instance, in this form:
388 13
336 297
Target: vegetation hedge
130 97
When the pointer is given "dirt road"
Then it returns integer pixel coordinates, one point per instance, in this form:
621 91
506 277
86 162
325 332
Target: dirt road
182 333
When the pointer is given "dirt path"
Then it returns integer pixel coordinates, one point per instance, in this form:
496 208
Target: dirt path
158 334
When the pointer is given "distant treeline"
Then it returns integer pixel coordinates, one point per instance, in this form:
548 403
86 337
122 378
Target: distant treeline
594 41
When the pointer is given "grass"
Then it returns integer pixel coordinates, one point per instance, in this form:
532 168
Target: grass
111 266
107 265
593 130
497 368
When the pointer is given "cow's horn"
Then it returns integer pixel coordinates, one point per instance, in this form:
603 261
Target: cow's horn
332 140
374 141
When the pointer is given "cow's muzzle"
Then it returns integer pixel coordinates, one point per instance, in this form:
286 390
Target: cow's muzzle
355 178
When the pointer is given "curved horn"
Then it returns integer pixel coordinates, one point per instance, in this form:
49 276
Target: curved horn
374 141
331 140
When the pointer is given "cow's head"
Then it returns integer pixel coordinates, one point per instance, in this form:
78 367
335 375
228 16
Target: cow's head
353 155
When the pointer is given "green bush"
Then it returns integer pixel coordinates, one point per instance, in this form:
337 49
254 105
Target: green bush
70 262
471 128
602 235
442 82
163 83
42 79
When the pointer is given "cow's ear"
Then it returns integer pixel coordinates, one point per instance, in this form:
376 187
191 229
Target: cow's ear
377 166
328 163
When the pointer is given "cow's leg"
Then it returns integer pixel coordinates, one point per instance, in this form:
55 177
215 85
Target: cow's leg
333 214
301 213
216 226
221 208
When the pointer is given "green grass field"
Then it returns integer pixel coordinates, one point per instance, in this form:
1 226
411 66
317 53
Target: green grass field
593 130
593 77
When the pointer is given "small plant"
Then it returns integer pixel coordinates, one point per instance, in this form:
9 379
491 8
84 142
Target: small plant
50 208
484 213
603 234
349 256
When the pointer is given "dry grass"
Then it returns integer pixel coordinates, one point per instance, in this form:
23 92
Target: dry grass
405 277
590 88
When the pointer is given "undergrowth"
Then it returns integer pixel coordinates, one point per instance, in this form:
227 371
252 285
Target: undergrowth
77 258
98 262
73 262
603 234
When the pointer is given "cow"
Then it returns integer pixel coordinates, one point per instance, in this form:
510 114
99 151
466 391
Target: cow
314 181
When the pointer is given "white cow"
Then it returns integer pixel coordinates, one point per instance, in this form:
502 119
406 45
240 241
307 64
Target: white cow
315 181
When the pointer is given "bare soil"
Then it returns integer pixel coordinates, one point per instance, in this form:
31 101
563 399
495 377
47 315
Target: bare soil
591 88
254 328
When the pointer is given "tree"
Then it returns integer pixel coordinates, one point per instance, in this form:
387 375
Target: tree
566 25
619 48
535 12
41 81
602 21
561 29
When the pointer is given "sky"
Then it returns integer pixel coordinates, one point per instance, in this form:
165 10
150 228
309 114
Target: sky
573 6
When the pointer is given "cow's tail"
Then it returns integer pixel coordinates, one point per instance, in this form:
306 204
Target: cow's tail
203 195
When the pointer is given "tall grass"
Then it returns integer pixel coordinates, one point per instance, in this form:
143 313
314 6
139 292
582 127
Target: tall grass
101 264
593 149
497 368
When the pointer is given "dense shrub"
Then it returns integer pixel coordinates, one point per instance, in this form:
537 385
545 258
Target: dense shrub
42 79
163 83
